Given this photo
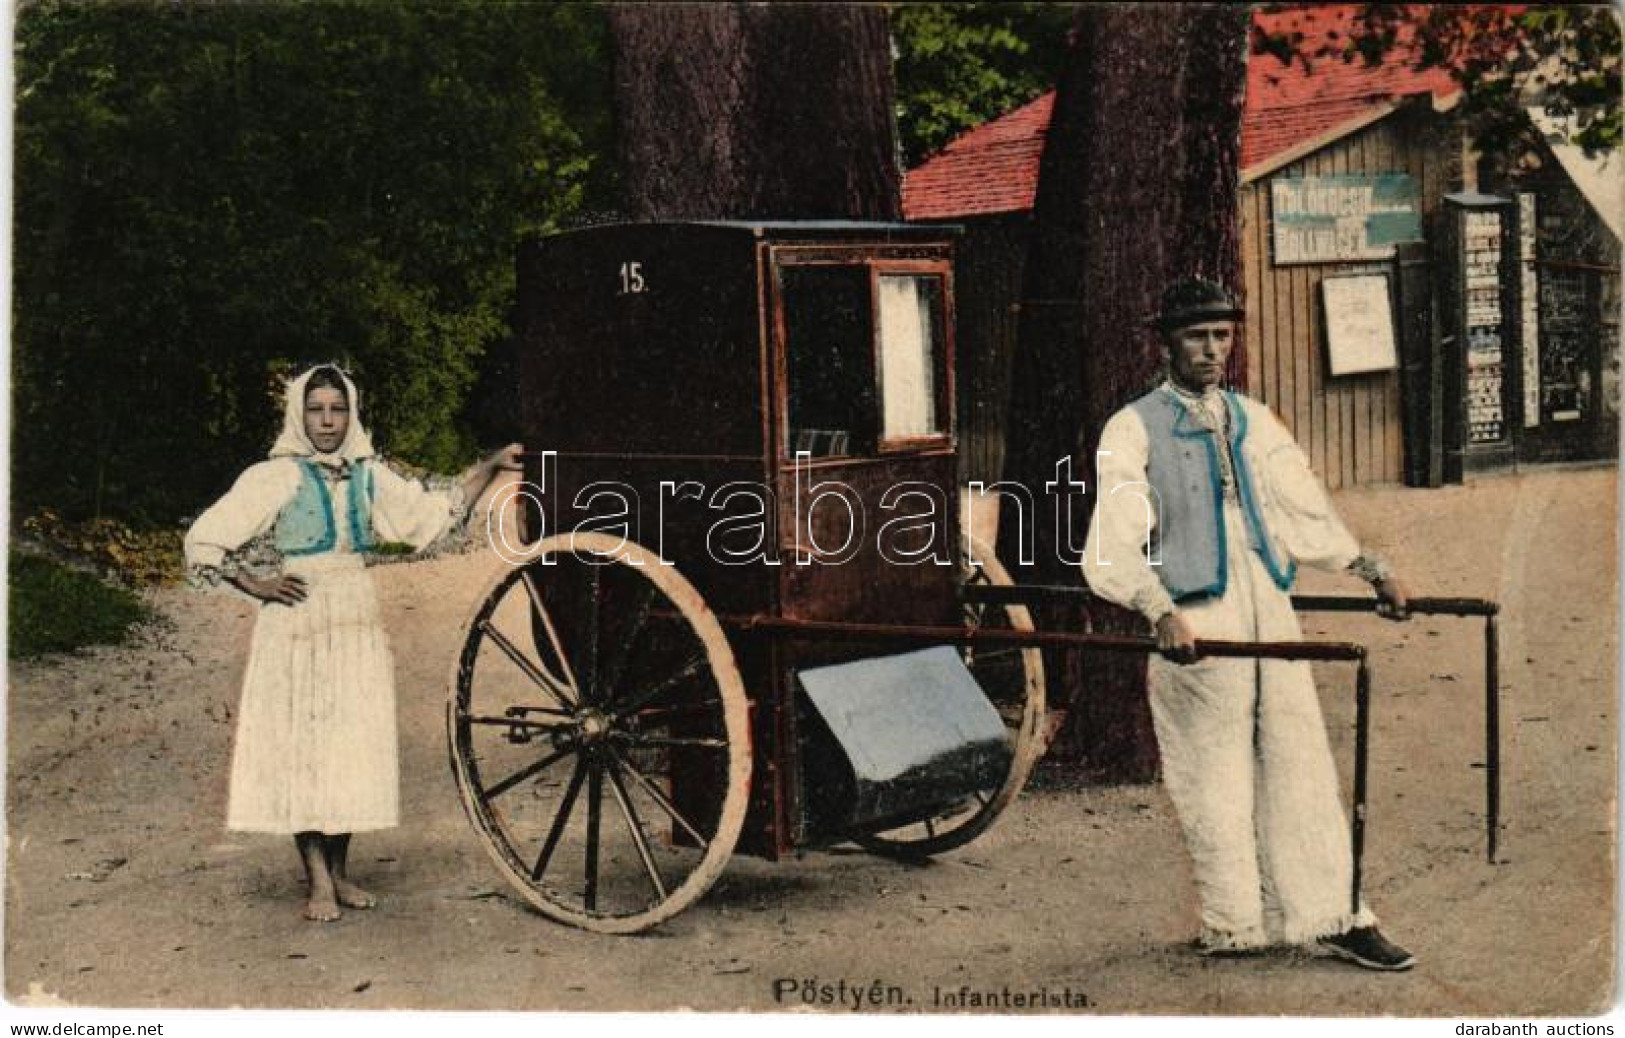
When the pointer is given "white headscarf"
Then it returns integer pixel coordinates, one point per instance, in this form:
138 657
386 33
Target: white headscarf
294 443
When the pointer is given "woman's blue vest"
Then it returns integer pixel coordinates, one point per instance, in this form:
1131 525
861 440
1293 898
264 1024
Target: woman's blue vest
305 524
1183 469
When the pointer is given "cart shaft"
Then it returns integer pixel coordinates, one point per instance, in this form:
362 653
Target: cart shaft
1492 735
831 630
1029 594
1362 753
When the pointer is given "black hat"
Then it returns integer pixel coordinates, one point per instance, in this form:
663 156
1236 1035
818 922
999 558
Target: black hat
1194 300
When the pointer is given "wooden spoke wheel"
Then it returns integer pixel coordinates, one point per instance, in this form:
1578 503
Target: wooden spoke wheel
599 735
1013 679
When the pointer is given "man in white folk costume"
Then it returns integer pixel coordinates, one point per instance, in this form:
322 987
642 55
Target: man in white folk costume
1231 511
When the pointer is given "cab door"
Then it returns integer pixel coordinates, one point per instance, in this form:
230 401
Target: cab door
865 454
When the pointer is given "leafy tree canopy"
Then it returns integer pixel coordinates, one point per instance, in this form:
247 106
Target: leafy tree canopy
959 65
1564 58
210 195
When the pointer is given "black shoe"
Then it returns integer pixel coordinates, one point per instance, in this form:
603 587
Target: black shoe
1365 946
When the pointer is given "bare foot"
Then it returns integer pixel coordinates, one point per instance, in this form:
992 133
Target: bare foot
321 908
351 896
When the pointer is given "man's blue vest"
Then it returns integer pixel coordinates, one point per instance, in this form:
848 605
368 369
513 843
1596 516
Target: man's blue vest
305 525
1183 469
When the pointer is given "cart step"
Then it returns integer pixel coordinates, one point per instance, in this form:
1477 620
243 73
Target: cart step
914 731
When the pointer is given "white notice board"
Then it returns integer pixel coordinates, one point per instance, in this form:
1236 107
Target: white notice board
1359 324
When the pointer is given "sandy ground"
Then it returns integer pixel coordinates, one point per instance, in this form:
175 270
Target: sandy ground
124 890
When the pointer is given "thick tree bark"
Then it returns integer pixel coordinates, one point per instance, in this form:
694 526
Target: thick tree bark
1137 187
769 111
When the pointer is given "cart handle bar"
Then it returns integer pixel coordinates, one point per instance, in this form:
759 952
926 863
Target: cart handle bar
1421 606
1019 594
1028 594
837 631
831 630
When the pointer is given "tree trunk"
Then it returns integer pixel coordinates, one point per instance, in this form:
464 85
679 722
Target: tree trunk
1137 187
771 111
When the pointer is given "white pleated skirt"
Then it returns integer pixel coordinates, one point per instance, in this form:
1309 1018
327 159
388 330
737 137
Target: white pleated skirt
316 743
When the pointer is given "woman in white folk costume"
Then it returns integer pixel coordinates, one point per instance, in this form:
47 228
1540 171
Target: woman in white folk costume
315 754
1233 509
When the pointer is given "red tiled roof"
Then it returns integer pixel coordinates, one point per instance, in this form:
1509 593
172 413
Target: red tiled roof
994 167
990 169
1290 105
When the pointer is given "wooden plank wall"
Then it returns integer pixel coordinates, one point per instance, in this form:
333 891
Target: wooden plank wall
988 266
1349 426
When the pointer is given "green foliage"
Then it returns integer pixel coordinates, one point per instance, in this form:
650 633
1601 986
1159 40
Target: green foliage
142 557
959 65
1561 57
208 196
51 608
1570 56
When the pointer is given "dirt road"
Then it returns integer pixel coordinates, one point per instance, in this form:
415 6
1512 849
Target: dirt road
124 890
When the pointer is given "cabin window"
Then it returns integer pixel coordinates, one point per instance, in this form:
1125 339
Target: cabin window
830 354
910 344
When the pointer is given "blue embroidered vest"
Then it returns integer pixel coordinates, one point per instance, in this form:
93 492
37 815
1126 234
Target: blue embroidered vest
1183 469
305 524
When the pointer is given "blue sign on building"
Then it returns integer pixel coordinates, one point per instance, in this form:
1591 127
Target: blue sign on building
1340 218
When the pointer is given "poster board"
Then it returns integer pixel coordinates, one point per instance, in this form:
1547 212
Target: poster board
1359 324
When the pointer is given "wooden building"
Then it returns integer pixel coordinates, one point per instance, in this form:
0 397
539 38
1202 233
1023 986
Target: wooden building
1350 425
1346 175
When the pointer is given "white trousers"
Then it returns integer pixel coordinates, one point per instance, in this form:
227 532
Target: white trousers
1246 761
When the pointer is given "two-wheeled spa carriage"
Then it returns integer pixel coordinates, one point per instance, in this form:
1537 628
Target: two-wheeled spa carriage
744 615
